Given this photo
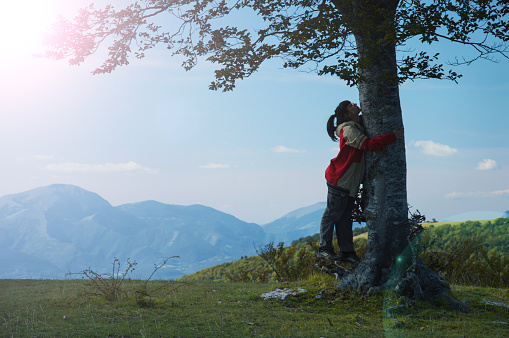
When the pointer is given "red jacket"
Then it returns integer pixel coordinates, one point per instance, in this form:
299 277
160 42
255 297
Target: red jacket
347 169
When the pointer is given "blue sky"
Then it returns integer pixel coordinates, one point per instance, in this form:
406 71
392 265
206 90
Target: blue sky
151 131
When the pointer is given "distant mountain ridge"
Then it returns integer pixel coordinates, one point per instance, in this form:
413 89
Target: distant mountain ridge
296 224
49 231
300 223
476 215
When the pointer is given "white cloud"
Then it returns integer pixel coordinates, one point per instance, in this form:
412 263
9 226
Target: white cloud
107 167
283 149
215 166
487 164
500 192
456 194
496 193
435 149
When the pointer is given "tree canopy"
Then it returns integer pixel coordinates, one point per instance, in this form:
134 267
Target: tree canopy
315 34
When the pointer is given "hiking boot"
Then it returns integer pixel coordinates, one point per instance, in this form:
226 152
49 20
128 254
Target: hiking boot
350 257
328 254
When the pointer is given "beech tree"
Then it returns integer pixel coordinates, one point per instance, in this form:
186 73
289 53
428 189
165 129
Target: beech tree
363 42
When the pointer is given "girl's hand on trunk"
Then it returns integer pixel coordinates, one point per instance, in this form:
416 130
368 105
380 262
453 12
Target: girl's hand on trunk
398 132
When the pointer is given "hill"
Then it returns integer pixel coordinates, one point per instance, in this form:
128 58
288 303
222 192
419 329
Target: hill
446 237
493 234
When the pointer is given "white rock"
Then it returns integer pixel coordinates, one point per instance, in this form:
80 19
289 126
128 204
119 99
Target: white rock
281 293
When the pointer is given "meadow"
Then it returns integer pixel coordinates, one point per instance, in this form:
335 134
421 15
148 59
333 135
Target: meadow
64 308
213 302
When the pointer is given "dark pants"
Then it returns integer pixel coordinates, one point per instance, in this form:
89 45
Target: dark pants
338 215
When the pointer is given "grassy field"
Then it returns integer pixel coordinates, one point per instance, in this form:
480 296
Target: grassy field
63 308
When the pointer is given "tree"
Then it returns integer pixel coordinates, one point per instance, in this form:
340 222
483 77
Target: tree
360 41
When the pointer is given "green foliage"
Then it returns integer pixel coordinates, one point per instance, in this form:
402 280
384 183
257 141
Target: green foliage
360 230
258 275
472 253
273 264
288 264
460 253
299 32
316 237
304 241
143 299
468 253
232 271
493 234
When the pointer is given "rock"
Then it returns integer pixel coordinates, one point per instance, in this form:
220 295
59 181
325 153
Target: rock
490 302
281 293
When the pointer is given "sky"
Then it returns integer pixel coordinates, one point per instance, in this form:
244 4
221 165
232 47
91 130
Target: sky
152 131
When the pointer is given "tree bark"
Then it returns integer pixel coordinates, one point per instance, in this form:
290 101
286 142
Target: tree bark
384 184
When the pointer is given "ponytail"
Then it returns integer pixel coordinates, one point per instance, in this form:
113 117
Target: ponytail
339 113
331 127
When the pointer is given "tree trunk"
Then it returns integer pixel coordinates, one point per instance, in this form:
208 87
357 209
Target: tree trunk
384 184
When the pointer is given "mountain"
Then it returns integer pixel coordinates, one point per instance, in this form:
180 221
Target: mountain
296 224
300 223
49 231
200 235
506 214
44 230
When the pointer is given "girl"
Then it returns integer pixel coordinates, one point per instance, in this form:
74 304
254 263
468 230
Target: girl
344 175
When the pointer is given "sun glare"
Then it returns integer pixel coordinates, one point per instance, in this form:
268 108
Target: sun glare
22 24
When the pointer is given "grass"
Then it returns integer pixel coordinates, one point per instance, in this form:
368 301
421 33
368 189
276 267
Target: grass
36 308
435 224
